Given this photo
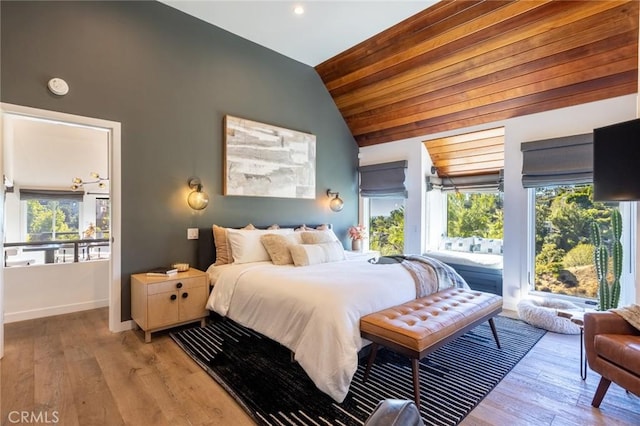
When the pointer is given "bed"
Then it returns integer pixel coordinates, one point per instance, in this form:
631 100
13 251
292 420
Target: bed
313 310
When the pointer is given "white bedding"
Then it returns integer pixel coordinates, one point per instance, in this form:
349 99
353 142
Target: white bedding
485 260
313 310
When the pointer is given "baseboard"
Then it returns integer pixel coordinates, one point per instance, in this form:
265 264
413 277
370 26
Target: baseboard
54 310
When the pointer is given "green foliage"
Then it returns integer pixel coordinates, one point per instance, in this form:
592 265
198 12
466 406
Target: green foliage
580 255
563 218
44 217
608 292
475 214
550 259
387 233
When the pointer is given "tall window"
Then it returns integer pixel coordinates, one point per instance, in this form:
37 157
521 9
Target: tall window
383 186
386 225
103 218
52 219
563 247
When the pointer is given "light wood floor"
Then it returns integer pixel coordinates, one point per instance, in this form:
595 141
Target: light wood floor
70 368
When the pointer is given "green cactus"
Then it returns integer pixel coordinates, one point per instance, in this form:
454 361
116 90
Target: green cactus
608 293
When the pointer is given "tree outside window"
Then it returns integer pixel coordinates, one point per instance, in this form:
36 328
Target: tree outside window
49 220
475 214
386 226
563 248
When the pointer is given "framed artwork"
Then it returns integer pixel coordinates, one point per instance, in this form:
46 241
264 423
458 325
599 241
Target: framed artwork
261 160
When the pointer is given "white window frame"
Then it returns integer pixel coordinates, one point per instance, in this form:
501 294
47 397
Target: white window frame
628 210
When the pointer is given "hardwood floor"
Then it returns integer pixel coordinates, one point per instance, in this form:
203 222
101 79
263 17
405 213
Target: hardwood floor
71 369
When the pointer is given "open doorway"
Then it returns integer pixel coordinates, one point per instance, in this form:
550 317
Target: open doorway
55 211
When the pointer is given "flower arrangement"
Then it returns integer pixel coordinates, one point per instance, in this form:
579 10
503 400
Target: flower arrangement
358 232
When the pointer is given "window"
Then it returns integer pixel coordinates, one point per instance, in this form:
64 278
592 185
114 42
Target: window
386 225
52 219
103 218
563 250
475 214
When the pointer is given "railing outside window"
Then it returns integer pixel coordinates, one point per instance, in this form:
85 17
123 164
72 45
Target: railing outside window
56 251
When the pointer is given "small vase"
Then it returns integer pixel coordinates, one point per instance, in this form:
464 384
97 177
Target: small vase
356 245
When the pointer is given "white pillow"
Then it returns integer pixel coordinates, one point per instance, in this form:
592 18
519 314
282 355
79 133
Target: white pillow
312 254
246 245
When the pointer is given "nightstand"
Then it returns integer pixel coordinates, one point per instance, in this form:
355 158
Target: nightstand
158 303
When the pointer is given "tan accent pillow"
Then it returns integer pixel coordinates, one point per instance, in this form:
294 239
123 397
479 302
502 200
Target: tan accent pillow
316 237
249 227
278 248
274 226
223 249
312 254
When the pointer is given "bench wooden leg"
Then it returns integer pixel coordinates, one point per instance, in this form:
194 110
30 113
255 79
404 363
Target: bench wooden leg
372 357
415 367
495 332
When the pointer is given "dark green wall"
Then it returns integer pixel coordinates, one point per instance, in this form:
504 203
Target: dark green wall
169 79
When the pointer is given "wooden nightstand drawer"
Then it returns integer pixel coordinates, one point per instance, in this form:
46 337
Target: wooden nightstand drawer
162 302
175 284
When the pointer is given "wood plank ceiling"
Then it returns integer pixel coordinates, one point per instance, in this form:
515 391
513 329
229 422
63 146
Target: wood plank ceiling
464 63
475 153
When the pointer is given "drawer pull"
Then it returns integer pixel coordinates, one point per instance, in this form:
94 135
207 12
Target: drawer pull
179 285
185 295
174 297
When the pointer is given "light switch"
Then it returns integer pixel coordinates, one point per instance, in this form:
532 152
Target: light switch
192 233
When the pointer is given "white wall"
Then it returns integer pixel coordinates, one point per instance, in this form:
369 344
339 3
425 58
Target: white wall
556 123
43 290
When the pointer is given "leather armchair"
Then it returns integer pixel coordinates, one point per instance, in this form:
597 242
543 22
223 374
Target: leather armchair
612 346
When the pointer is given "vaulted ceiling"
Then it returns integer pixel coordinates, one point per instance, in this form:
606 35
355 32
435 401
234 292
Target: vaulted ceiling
463 63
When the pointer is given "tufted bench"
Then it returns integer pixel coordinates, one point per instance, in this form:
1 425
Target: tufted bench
421 326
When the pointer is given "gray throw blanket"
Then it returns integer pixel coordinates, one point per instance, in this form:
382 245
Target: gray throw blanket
430 275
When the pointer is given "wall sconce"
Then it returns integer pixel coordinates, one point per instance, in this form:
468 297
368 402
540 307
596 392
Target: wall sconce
78 183
197 199
336 204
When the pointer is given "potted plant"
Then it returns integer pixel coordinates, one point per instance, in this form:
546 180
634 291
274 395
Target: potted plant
608 292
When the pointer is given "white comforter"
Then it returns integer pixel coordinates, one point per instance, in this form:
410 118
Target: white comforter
313 310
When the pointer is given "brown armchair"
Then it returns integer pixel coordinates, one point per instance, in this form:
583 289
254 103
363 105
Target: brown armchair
612 346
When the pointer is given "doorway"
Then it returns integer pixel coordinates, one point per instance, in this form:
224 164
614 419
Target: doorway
111 175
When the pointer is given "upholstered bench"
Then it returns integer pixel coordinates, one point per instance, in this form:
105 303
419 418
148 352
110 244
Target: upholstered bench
421 326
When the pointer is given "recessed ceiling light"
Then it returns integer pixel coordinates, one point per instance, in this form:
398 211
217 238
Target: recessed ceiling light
298 10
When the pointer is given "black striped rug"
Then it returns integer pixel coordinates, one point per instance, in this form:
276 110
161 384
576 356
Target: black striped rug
259 374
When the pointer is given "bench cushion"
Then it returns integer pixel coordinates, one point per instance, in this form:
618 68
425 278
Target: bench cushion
423 322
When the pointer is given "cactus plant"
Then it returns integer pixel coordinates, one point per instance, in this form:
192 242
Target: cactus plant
608 293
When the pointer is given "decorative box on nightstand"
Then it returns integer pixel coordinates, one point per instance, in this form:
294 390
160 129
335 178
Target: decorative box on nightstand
158 303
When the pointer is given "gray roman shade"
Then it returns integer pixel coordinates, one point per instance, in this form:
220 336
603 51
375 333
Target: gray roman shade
383 180
491 182
559 161
50 194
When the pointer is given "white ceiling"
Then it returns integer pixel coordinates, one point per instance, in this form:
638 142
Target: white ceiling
325 29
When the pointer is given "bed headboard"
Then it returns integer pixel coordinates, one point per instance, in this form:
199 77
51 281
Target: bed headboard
206 254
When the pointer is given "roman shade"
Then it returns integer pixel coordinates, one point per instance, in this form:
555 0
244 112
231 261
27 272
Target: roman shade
50 194
490 182
559 161
383 180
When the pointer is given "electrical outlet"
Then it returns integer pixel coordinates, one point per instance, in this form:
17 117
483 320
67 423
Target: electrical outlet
192 233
